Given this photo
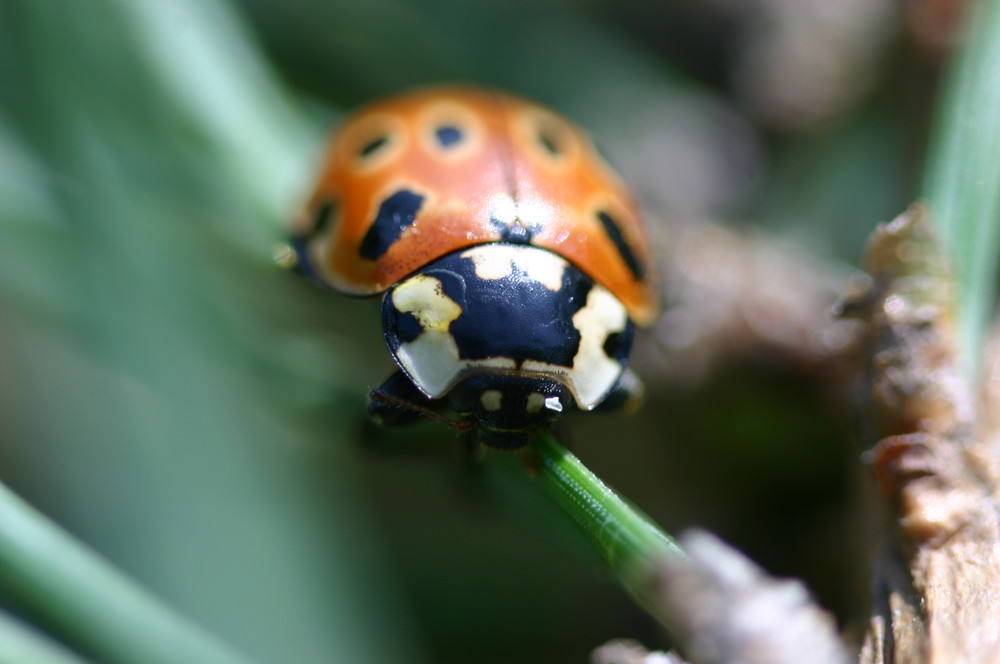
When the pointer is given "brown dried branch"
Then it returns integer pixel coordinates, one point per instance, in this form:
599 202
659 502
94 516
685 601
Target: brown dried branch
935 460
726 610
730 300
625 651
936 591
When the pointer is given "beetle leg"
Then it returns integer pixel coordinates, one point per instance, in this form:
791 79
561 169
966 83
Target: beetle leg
397 402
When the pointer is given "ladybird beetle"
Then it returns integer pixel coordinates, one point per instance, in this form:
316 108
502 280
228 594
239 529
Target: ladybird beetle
511 259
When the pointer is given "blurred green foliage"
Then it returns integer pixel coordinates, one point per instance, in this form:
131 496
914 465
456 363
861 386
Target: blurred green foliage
196 416
962 173
152 368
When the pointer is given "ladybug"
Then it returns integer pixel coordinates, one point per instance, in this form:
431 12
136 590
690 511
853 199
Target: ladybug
511 259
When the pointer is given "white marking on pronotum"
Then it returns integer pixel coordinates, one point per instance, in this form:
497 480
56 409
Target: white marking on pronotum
433 364
424 297
493 261
431 360
491 265
593 373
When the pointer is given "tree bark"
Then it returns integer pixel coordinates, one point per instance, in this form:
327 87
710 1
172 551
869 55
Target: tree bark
936 580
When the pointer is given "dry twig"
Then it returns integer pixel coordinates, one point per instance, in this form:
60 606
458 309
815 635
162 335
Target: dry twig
936 586
727 610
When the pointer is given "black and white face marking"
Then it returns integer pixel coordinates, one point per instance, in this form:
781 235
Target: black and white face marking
505 406
510 313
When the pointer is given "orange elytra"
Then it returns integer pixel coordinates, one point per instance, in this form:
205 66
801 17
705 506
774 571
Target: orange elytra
417 176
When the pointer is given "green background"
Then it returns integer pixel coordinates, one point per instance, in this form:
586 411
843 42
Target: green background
196 415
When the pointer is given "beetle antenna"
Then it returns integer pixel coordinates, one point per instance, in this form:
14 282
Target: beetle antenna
385 399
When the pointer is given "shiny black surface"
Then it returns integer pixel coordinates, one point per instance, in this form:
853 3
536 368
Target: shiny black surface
515 316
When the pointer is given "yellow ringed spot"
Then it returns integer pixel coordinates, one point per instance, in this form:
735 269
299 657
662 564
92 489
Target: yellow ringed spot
371 142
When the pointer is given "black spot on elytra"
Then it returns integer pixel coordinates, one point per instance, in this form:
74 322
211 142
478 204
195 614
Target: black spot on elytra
515 232
448 136
372 146
395 215
547 140
614 233
613 346
408 327
322 217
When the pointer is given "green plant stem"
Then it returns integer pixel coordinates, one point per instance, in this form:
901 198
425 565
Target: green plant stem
20 644
962 178
624 537
82 595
